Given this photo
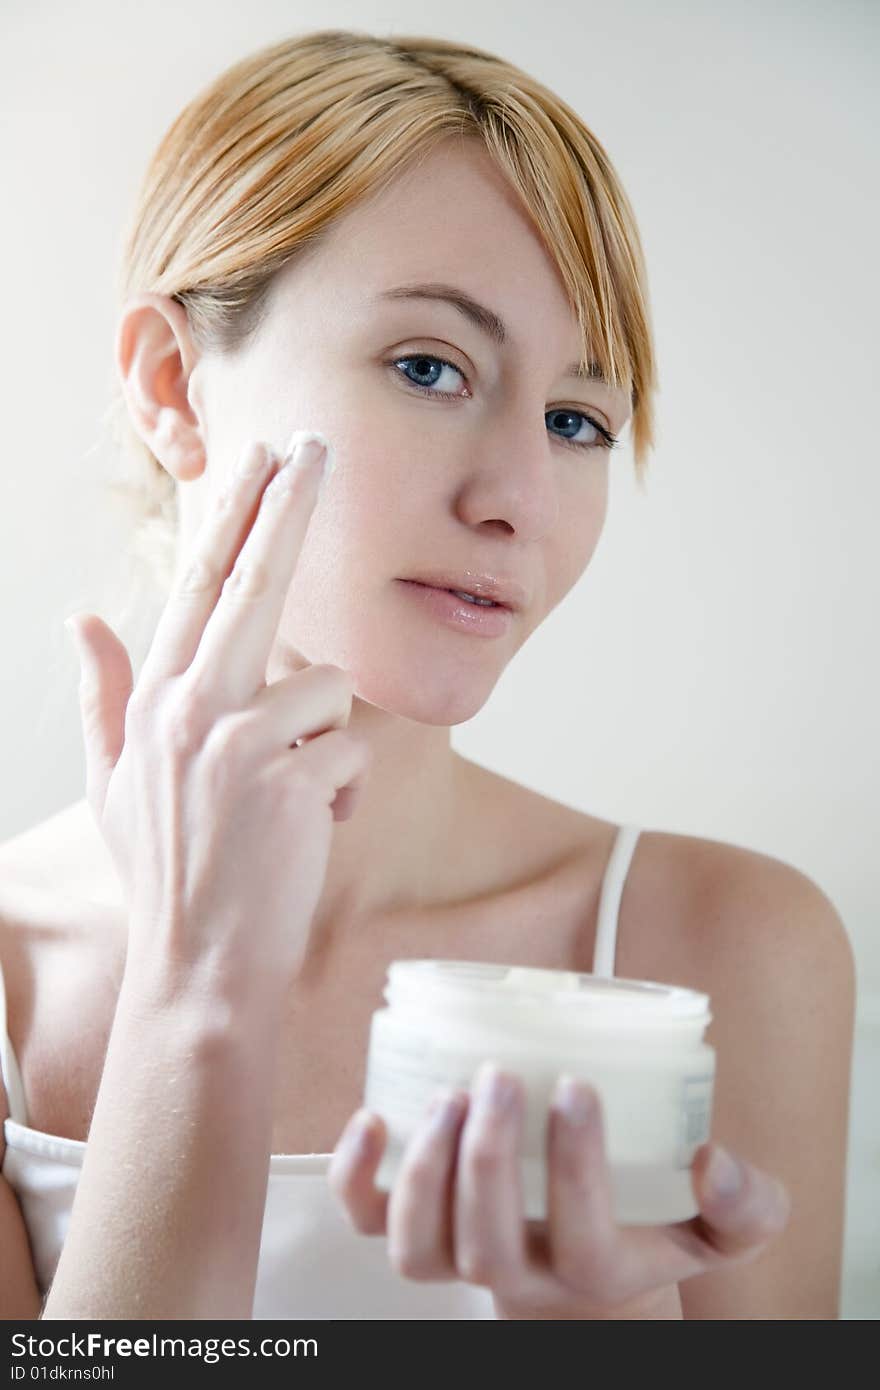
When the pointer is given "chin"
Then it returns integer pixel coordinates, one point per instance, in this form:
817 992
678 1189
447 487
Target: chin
424 697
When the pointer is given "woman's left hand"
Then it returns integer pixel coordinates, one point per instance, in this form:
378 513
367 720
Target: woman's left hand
456 1210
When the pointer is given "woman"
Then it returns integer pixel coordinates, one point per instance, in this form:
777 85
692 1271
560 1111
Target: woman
421 255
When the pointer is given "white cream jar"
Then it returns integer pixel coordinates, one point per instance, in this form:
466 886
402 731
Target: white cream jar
639 1043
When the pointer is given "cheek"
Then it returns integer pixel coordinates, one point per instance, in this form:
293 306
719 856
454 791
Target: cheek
381 493
375 460
573 550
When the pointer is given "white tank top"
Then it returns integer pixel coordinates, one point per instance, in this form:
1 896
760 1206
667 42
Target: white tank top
312 1263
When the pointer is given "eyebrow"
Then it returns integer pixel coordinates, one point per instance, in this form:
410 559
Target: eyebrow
482 318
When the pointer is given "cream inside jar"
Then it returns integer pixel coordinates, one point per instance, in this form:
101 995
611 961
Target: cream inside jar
639 1043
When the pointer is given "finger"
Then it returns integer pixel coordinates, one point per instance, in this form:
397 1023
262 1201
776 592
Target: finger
582 1233
307 714
730 1229
230 516
240 632
284 660
352 1172
346 802
105 685
420 1226
489 1214
741 1207
301 707
335 761
342 765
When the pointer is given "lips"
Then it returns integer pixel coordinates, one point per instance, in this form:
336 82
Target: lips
503 591
435 602
462 593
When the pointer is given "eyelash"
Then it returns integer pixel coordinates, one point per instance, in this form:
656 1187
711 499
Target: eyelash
606 440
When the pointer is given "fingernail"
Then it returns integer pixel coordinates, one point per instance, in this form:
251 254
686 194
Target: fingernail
574 1101
297 442
444 1110
495 1090
357 1137
724 1176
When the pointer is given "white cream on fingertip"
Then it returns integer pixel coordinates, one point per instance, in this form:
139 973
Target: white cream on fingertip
302 437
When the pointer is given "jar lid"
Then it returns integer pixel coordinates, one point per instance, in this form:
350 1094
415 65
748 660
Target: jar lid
585 996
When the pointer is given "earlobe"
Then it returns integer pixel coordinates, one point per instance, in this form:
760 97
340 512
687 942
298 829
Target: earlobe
171 433
177 446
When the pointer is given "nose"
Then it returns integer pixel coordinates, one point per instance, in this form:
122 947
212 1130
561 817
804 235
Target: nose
513 483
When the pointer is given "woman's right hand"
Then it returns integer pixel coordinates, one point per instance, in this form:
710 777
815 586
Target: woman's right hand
218 826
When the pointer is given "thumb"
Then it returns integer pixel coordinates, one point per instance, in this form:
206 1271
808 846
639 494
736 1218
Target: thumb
105 686
740 1205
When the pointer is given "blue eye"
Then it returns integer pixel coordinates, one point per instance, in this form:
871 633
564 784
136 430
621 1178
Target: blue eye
426 365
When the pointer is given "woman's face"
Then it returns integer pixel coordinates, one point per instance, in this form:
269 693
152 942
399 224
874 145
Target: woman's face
488 481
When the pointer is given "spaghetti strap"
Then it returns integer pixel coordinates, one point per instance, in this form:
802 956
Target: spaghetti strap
9 1066
609 901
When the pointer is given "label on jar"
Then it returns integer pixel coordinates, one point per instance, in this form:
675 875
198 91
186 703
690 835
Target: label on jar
695 1116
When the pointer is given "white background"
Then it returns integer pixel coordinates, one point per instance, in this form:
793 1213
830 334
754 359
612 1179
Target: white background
715 671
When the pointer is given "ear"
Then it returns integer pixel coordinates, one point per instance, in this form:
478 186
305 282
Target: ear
156 361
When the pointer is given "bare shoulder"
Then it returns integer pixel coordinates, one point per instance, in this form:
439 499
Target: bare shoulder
768 945
750 917
721 912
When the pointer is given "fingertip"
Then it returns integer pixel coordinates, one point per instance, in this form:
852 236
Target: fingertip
374 1129
738 1217
360 1140
353 1170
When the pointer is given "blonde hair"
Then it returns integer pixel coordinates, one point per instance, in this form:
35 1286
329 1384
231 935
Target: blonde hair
265 158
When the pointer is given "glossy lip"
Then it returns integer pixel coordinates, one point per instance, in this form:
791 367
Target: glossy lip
507 593
457 613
